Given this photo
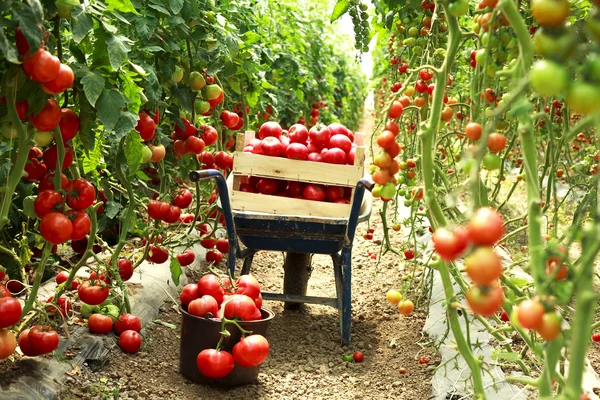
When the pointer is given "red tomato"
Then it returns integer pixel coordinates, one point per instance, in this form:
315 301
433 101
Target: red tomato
319 135
42 66
251 351
56 227
485 300
10 312
296 151
450 244
64 80
209 135
409 254
485 227
214 256
334 193
223 245
224 160
186 258
210 284
46 202
483 266
127 322
51 157
551 326
47 183
157 254
554 262
63 303
203 306
340 141
504 316
314 192
81 224
81 194
358 356
267 186
240 306
130 341
596 337
249 286
100 324
530 314
335 156
93 294
125 269
24 344
229 119
473 131
174 214
270 128
271 146
215 364
496 142
158 210
8 343
395 110
48 118
183 199
69 124
194 144
187 131
298 134
190 292
41 340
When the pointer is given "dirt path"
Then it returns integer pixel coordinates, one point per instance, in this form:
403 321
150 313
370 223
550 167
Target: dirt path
306 357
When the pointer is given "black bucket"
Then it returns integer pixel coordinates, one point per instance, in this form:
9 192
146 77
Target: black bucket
198 334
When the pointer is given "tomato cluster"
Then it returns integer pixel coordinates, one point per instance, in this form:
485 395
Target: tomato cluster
405 306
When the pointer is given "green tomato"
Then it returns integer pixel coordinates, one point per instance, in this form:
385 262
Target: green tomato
408 203
417 50
87 310
413 31
555 44
8 130
487 37
388 191
458 8
43 139
111 310
177 74
146 154
548 78
583 97
411 182
65 7
401 180
201 106
196 80
410 42
480 56
492 162
348 357
422 42
401 192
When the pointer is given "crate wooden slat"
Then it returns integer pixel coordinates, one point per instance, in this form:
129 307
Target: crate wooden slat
243 201
296 170
248 164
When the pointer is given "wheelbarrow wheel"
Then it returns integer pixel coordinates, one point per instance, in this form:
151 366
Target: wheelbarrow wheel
297 269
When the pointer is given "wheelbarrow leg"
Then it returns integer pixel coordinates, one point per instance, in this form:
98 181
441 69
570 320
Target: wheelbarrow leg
297 269
344 277
247 264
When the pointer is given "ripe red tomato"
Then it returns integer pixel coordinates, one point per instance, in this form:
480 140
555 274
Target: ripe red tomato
424 360
450 244
240 306
186 258
358 356
554 262
550 13
396 110
48 118
249 286
10 312
47 183
485 300
127 322
100 324
223 245
203 306
210 284
190 292
473 131
251 351
530 314
271 146
81 194
298 134
425 74
296 151
174 214
483 266
158 210
386 139
496 142
183 199
209 135
24 344
41 340
267 186
334 156
187 130
157 254
229 119
62 81
504 316
130 342
215 364
42 66
314 192
406 307
409 254
270 128
69 124
93 293
485 227
8 343
51 157
224 160
340 141
46 202
214 256
63 303
596 337
56 227
334 193
319 136
194 144
551 326
81 224
125 269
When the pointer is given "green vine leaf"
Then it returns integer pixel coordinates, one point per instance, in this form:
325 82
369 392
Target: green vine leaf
176 271
133 153
93 84
117 50
124 6
125 124
109 108
176 6
92 159
340 9
82 24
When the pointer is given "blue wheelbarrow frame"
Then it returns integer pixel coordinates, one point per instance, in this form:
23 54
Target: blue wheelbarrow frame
295 234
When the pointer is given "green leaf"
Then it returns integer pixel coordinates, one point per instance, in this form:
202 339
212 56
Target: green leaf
121 5
117 50
140 174
112 209
176 6
251 37
92 159
29 18
93 84
267 85
159 8
125 124
234 84
503 355
299 94
9 51
133 153
186 97
109 108
82 24
145 27
132 92
340 9
176 272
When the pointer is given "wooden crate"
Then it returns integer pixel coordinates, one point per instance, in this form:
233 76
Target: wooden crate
247 164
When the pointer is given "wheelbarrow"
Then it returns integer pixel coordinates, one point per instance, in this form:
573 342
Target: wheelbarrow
299 237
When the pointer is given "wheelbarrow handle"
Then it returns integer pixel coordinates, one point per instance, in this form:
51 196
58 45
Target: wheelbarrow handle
201 175
359 193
